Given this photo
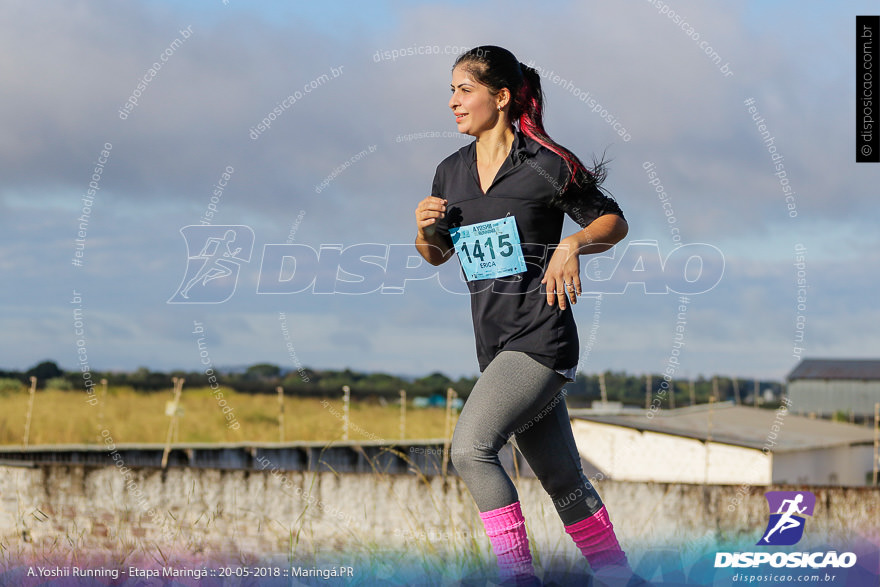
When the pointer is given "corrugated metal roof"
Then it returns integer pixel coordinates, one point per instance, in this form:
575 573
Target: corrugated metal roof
836 369
361 456
367 456
741 426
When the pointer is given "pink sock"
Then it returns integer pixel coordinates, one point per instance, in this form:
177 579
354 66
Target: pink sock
506 528
596 540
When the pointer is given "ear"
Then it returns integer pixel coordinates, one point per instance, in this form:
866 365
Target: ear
502 98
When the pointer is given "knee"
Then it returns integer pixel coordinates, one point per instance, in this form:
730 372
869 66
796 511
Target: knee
458 458
466 453
461 453
559 484
568 489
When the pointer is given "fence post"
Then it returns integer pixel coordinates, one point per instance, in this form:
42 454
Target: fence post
447 435
402 414
171 410
101 409
346 400
27 422
280 391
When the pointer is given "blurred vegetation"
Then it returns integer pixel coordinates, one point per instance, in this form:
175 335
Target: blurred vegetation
264 378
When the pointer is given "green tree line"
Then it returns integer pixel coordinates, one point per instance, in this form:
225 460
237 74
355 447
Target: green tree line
620 386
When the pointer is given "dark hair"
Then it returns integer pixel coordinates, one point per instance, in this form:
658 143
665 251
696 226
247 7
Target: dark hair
497 68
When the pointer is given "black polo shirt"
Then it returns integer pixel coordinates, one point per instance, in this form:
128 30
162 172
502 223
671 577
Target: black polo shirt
511 313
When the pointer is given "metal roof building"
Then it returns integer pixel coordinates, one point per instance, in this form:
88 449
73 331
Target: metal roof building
724 444
828 386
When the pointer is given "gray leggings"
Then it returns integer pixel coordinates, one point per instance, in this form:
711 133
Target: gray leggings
518 395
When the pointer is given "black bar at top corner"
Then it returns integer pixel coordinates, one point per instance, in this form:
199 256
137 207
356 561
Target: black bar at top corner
867 89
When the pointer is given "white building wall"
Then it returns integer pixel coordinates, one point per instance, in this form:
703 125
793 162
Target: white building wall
625 454
846 466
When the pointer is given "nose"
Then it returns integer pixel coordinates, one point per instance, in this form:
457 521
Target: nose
454 101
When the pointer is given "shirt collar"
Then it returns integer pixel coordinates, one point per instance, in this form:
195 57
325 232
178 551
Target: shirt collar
522 148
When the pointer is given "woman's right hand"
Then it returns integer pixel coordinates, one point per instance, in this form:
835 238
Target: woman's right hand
428 212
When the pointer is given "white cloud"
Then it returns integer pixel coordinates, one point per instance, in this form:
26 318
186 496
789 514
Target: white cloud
76 64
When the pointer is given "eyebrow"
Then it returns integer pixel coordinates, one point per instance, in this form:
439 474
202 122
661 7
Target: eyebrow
461 84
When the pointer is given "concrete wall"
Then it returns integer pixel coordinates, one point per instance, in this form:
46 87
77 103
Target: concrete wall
87 510
626 454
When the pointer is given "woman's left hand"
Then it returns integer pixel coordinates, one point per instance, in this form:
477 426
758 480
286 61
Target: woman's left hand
563 275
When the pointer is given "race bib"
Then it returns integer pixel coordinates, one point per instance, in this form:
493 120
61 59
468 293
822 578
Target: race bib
488 250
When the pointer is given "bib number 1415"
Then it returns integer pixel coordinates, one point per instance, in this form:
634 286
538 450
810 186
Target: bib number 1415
488 250
504 246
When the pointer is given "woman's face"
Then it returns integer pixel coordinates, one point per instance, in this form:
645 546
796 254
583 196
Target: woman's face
475 109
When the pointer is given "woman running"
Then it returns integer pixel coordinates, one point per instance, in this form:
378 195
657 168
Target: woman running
499 204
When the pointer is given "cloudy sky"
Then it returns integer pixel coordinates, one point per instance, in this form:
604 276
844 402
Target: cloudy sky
336 166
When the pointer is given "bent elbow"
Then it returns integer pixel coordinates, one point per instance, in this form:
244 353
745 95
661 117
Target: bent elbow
621 230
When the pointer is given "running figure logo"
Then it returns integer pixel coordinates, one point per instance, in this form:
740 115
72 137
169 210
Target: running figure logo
212 274
786 526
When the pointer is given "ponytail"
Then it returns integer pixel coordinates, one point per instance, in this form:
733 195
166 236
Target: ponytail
497 68
529 109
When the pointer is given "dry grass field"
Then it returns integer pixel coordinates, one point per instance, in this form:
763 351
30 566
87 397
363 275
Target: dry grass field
64 417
